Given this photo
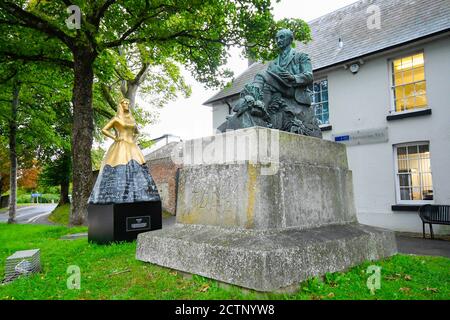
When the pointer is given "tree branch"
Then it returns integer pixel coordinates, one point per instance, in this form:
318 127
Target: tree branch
107 95
9 77
159 9
141 74
104 113
97 17
36 22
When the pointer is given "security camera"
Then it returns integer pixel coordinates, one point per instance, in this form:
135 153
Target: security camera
354 68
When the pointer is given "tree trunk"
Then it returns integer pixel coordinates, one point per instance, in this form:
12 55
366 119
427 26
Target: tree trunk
64 194
13 154
132 89
82 133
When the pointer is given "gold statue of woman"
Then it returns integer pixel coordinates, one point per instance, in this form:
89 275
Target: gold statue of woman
124 147
123 176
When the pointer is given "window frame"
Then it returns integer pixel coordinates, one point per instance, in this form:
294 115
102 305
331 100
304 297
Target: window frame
399 201
392 86
313 105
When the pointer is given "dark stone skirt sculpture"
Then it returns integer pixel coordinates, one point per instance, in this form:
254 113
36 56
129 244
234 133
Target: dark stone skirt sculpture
124 184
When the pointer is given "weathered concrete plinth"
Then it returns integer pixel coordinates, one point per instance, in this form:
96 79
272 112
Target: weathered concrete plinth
264 210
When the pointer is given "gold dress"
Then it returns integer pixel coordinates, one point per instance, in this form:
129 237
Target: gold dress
124 176
124 150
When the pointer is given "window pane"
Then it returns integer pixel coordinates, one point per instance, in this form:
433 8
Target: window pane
421 88
409 90
325 107
403 166
318 110
417 195
405 193
399 93
404 180
325 95
317 97
402 160
410 103
316 87
419 74
407 63
415 179
401 152
424 149
400 105
408 76
425 165
324 85
421 101
427 181
398 79
397 65
418 60
413 152
326 118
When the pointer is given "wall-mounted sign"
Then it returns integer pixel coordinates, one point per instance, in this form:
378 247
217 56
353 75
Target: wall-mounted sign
366 136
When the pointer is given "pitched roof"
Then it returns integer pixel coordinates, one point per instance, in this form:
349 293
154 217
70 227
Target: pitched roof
402 21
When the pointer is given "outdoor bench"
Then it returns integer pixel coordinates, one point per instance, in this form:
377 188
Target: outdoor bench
434 214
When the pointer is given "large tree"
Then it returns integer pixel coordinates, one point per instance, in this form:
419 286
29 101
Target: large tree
196 33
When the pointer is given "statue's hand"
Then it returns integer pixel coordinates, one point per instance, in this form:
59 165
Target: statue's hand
287 76
118 139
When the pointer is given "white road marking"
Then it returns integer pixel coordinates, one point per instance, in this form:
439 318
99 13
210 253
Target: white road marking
37 217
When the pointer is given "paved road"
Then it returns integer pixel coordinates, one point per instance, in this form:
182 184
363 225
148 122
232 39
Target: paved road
36 214
422 247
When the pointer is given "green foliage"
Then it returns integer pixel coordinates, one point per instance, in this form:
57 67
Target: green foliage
145 143
57 171
97 155
44 198
195 33
112 272
43 107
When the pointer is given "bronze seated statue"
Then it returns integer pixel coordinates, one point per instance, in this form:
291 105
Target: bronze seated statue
279 97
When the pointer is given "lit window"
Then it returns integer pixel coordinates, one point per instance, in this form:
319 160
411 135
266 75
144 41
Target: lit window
414 181
320 101
409 85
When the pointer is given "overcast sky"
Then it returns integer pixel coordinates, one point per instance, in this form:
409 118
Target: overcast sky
188 118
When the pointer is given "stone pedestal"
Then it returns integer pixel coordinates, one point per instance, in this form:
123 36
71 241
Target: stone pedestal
264 209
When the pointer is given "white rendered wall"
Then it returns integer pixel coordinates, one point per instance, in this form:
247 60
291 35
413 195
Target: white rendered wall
362 101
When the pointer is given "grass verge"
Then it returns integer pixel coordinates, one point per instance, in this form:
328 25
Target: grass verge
112 272
60 215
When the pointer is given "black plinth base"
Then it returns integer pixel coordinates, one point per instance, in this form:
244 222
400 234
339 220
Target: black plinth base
122 222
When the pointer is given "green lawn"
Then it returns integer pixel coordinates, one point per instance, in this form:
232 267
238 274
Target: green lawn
112 272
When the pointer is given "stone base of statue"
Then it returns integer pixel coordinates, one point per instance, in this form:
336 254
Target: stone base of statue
264 209
123 221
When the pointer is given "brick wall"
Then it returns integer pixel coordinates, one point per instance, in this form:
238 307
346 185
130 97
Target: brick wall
164 172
